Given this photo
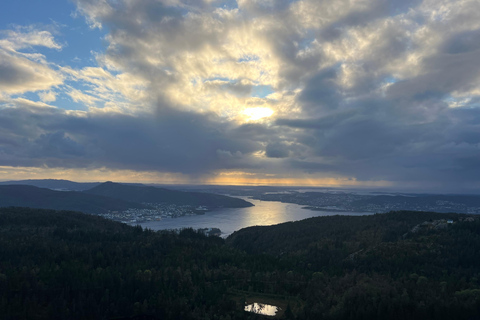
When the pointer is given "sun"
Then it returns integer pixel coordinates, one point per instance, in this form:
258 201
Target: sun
257 113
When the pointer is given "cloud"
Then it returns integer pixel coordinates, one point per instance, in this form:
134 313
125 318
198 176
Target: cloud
360 90
79 96
276 150
379 108
462 42
371 143
47 96
27 37
443 75
169 141
19 74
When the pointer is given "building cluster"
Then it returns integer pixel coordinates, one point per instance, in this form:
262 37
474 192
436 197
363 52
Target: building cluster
160 211
368 203
396 206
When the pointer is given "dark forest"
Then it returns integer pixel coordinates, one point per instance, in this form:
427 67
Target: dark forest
399 265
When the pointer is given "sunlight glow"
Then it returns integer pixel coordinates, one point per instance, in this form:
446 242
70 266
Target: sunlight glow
220 178
257 113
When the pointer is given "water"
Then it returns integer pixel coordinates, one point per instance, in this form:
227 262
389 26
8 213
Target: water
229 220
260 308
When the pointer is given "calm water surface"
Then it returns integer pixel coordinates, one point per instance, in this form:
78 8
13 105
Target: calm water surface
260 308
230 220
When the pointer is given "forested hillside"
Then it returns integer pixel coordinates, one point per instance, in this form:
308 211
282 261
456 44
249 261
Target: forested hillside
145 194
30 196
110 197
54 184
66 265
400 265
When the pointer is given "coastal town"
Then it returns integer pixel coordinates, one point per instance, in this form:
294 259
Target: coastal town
379 203
158 212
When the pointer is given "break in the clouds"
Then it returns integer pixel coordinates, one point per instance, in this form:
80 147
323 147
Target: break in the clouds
327 92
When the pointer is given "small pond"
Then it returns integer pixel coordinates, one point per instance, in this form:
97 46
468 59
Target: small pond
261 308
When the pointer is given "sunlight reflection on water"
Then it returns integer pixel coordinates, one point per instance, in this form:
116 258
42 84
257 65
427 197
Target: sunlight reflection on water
230 220
260 308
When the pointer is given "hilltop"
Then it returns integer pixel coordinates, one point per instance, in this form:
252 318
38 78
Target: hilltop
146 194
107 196
54 184
30 196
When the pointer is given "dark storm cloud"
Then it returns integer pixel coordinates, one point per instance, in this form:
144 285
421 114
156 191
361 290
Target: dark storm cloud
462 42
375 10
254 130
384 145
58 145
321 91
445 73
169 141
276 150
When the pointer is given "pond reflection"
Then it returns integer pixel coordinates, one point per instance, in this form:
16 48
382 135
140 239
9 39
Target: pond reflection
261 308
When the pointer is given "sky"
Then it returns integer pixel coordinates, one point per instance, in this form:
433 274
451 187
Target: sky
357 93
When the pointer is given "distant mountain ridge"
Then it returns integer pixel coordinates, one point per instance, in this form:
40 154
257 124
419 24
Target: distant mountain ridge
34 197
106 197
147 194
54 184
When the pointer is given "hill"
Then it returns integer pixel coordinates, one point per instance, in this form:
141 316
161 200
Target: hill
355 231
358 202
54 184
30 196
399 265
67 265
145 194
440 203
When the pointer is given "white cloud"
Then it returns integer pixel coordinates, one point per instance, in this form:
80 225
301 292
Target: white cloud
80 96
47 96
22 72
102 87
19 74
94 11
25 37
